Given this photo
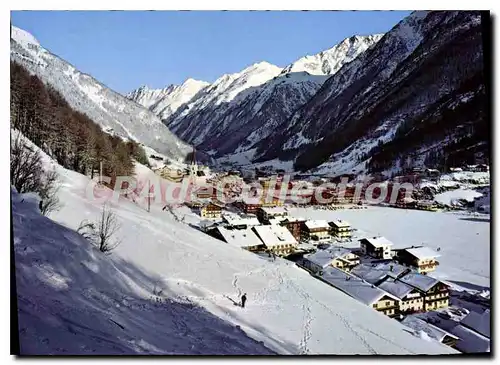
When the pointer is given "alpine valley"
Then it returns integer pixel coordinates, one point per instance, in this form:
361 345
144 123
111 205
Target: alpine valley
376 103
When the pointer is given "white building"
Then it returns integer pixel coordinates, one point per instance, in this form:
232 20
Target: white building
238 221
317 230
378 247
339 257
277 239
244 238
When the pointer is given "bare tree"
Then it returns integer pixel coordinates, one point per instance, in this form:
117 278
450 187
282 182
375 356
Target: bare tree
25 167
102 233
48 193
27 175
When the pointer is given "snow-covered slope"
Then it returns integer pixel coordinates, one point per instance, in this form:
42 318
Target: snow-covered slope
239 110
109 109
330 61
169 288
164 102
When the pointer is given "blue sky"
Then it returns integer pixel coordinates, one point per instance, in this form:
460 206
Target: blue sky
156 48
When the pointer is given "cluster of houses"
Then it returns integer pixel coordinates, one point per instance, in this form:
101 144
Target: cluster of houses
391 281
272 230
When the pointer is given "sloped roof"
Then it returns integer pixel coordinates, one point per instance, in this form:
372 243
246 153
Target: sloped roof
293 219
274 210
470 341
240 237
396 288
479 322
422 252
339 223
313 224
354 286
419 281
377 242
419 324
323 258
373 273
274 235
235 220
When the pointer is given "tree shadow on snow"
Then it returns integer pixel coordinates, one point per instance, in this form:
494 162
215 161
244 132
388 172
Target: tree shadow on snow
72 299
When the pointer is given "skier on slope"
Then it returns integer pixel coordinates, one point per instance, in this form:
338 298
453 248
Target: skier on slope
243 300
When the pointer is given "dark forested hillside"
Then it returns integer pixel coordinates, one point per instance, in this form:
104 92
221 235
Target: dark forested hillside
418 97
70 137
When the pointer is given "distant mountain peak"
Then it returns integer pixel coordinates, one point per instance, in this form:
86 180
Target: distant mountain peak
329 61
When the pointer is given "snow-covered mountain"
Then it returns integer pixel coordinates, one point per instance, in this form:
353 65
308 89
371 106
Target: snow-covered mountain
330 61
238 110
417 96
112 111
164 102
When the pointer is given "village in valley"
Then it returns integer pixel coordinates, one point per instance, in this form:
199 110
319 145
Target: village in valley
391 277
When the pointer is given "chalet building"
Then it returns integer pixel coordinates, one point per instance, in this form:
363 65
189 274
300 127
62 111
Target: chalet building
338 257
275 201
423 259
317 230
436 293
432 331
376 273
361 290
243 238
266 213
411 299
249 205
340 229
276 239
378 247
294 225
240 221
211 210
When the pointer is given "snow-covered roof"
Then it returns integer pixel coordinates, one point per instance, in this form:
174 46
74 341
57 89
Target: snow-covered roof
340 223
324 258
293 219
422 253
419 281
419 324
206 223
235 220
479 322
374 273
470 341
240 237
396 288
274 235
377 242
354 286
314 224
274 210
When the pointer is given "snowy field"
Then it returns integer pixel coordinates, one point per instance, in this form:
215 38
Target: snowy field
463 238
171 289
